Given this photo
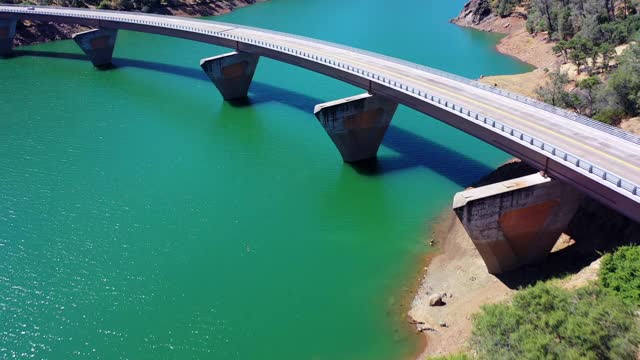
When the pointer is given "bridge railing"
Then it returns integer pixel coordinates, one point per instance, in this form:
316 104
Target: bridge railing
519 136
612 130
117 16
516 135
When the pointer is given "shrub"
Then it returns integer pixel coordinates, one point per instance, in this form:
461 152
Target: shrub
620 273
104 5
547 322
609 116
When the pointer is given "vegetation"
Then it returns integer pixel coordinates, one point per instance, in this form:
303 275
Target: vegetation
606 97
619 273
504 7
586 33
548 322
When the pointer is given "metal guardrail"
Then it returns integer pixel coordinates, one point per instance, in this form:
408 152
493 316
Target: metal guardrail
516 135
612 130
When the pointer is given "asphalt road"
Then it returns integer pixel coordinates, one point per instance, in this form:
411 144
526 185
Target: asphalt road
599 148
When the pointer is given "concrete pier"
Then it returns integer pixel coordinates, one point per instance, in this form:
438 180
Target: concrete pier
98 44
7 33
231 73
516 222
357 124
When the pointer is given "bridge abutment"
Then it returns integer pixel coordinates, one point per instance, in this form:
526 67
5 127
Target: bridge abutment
516 222
357 124
7 33
98 45
231 73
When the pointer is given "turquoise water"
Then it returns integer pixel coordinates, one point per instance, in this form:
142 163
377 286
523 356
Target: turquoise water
142 217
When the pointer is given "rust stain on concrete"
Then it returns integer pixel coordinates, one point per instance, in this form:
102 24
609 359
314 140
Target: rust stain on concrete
235 70
100 42
522 226
364 120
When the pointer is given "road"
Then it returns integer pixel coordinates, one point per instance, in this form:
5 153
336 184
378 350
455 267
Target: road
602 161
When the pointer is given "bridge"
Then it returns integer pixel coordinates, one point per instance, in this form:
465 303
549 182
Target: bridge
511 223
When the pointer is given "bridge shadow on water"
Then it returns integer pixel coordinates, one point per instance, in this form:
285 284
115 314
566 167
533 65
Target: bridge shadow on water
413 151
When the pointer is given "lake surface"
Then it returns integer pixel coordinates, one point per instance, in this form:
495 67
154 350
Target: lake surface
141 217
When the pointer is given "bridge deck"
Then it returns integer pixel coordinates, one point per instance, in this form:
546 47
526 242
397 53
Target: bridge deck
603 162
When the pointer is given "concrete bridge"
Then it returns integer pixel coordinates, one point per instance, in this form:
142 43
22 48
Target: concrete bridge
511 223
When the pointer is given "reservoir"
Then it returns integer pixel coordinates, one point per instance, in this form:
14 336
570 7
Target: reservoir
141 217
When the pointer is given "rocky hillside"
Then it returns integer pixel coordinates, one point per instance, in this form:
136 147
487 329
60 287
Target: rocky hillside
473 13
479 14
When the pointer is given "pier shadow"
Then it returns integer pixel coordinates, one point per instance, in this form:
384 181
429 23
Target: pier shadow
596 229
413 150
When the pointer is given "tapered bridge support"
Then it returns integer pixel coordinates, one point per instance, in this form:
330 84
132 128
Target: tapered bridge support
7 33
357 124
516 222
98 44
231 73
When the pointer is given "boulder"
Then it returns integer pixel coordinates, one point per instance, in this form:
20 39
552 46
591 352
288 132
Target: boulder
473 13
437 299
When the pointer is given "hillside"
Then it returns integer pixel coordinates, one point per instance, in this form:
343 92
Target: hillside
585 51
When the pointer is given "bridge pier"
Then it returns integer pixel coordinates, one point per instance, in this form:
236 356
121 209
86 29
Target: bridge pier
98 45
516 222
231 73
7 33
357 124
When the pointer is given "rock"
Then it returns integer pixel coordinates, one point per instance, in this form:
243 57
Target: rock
437 299
473 13
443 324
425 328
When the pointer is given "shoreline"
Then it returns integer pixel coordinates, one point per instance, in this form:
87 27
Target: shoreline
453 265
413 287
439 230
456 268
535 50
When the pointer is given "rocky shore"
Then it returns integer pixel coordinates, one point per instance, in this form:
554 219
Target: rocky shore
535 50
34 32
477 14
456 283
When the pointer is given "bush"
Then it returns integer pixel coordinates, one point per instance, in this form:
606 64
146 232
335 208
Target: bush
104 5
547 322
611 116
620 273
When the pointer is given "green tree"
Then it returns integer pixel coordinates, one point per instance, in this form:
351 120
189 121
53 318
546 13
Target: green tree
562 48
581 49
553 92
504 7
588 86
579 58
608 52
625 80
